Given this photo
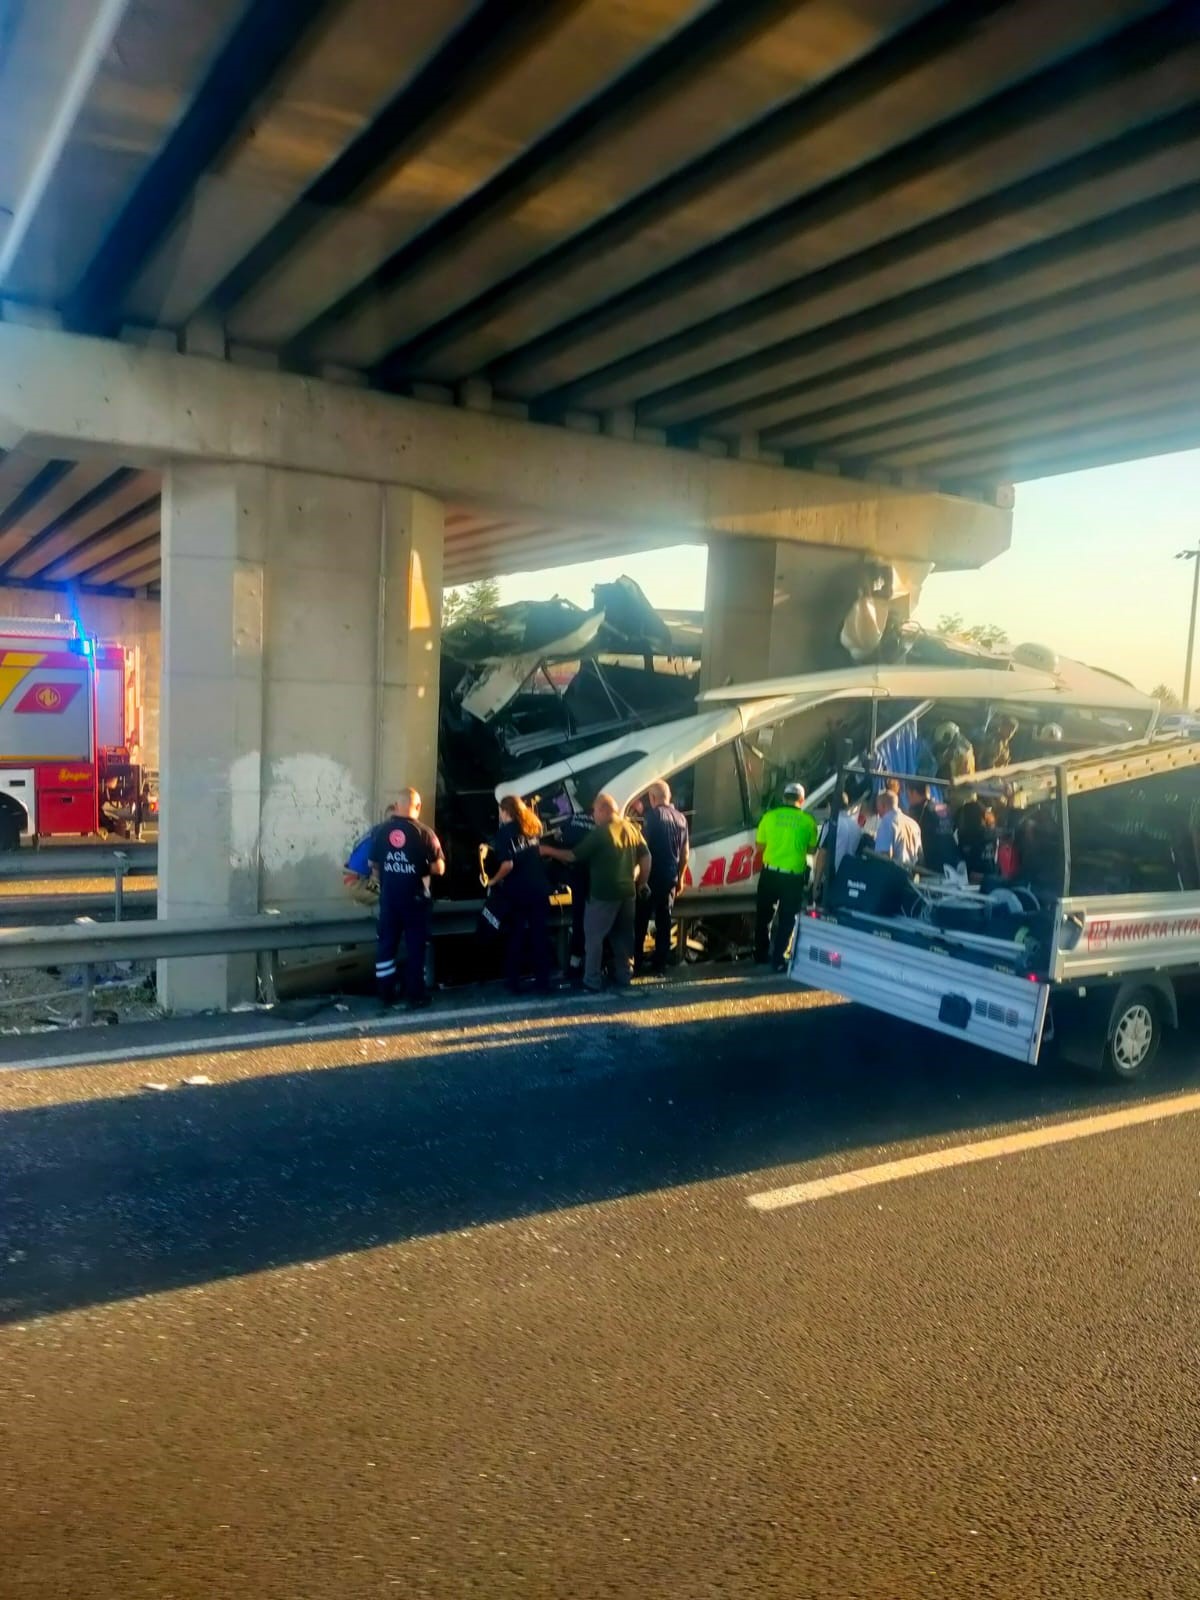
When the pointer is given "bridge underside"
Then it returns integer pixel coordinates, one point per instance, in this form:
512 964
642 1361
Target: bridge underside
95 529
308 307
947 244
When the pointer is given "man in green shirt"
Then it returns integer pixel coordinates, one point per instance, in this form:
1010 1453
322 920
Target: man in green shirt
788 836
618 864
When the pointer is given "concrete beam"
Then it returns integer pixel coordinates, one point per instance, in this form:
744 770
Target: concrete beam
551 547
58 52
62 395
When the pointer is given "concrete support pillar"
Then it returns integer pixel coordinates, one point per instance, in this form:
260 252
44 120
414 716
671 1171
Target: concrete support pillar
210 737
299 679
410 635
774 609
738 605
814 588
739 600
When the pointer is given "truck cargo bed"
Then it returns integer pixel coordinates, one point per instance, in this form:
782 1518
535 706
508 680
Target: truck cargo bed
954 988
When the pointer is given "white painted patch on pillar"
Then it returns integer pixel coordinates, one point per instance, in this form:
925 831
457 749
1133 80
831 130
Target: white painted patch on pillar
311 809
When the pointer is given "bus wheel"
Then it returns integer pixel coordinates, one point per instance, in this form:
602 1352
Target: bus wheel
1135 1031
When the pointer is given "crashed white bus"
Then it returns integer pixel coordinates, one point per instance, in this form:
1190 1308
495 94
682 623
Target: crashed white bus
1085 938
727 763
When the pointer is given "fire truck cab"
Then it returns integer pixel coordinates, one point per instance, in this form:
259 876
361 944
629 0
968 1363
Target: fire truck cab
70 732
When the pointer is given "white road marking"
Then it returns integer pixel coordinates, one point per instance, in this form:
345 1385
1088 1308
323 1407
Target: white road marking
795 1194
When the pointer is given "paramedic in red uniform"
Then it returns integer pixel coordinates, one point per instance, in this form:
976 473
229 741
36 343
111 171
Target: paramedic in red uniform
405 855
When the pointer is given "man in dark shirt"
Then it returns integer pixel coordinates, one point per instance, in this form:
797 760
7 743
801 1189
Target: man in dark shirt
977 841
938 848
569 832
404 855
665 831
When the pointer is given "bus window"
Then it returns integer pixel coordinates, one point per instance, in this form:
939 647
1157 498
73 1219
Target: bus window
802 748
578 791
709 793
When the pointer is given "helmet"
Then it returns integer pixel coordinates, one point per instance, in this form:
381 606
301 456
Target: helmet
945 734
1051 733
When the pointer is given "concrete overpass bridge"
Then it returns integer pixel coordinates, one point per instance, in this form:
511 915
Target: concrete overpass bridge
309 306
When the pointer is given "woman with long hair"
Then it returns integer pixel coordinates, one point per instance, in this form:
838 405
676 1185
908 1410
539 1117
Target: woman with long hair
524 890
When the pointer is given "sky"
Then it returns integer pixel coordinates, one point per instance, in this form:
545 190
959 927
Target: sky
1091 570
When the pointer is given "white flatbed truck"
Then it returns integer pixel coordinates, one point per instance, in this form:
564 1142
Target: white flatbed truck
1096 955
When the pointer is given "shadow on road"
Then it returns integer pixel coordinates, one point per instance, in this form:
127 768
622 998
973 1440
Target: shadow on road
104 1199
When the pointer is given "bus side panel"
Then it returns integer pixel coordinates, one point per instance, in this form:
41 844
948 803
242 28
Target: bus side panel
994 1010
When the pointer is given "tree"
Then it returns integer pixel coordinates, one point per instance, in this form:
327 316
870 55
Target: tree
475 600
987 635
1167 696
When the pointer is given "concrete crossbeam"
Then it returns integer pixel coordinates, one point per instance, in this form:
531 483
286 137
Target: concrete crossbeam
55 55
66 396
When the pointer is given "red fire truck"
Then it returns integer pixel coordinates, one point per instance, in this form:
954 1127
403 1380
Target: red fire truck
70 733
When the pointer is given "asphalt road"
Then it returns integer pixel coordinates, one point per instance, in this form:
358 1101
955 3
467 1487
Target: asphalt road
484 1310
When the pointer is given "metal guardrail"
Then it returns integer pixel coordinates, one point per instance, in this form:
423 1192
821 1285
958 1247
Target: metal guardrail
28 910
89 945
75 945
86 944
79 861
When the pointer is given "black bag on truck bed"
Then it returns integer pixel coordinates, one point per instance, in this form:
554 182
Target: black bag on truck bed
874 885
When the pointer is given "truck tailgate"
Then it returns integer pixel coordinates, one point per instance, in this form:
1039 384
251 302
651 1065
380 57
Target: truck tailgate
995 1010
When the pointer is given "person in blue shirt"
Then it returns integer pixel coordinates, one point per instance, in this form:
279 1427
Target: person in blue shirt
521 877
405 856
356 872
665 831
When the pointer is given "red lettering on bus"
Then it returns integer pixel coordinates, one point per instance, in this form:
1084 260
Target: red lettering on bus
742 864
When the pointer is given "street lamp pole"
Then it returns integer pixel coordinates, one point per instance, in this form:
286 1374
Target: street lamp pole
1194 557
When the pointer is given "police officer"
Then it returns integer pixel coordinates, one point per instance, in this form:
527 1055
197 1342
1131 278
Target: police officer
665 831
788 835
404 855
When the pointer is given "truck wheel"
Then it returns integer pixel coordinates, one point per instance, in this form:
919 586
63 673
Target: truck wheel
10 831
1134 1034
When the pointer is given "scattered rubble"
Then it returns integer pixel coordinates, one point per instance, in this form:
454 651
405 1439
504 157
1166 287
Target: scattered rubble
43 1002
